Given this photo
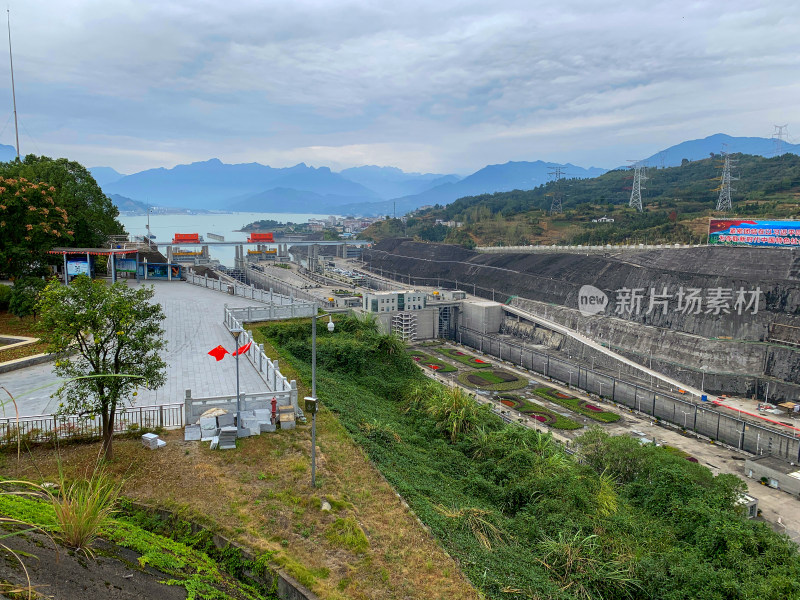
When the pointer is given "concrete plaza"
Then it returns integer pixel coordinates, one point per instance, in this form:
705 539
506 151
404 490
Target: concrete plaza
193 326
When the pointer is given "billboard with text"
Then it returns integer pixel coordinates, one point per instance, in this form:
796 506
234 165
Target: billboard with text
750 232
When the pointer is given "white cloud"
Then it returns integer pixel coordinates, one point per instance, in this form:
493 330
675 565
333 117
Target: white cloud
447 86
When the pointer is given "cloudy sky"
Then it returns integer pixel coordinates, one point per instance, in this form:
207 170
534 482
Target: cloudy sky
427 86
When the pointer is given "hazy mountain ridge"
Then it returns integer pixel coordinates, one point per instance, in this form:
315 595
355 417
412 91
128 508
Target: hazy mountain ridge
391 182
105 175
368 190
702 148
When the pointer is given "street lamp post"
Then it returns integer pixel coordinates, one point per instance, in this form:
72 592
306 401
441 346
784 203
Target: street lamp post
236 332
311 403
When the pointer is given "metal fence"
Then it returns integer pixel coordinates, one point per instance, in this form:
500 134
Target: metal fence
54 427
270 282
700 418
441 283
268 296
277 384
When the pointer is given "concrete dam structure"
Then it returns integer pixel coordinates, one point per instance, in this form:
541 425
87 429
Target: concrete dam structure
724 318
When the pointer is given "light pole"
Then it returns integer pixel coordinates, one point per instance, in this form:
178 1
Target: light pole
570 379
685 415
600 383
311 403
236 332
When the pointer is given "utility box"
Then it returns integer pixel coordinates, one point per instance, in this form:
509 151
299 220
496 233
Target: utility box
311 405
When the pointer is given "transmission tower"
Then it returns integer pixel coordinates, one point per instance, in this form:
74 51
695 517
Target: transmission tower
779 138
724 203
639 175
555 207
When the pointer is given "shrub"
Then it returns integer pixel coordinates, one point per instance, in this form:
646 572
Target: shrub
348 534
24 295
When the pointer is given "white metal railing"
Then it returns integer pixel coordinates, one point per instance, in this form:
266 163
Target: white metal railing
266 368
584 249
244 291
54 427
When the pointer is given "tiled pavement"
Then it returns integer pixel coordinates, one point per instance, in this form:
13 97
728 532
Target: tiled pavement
193 327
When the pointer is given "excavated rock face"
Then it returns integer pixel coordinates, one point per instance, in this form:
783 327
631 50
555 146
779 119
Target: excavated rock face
557 278
722 342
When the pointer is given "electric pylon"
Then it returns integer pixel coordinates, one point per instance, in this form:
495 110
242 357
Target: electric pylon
556 206
779 138
724 203
639 175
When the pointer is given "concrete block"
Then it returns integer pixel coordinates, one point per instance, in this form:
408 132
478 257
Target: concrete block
251 424
192 433
263 415
214 442
150 440
225 420
208 427
288 424
161 443
267 427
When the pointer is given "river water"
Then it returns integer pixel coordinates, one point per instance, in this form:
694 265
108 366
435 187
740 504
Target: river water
165 226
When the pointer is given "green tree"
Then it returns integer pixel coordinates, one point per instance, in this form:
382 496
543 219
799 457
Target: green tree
92 215
31 223
110 338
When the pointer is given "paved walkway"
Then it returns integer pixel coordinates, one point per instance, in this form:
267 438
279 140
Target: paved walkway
193 327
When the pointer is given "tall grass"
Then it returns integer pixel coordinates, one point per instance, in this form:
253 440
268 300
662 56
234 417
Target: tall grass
83 506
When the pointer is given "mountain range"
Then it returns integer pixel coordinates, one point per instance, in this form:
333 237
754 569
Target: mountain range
366 190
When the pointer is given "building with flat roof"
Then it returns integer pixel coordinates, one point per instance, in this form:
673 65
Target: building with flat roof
394 301
774 472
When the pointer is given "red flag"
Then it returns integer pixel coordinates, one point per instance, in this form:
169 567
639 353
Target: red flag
219 353
242 350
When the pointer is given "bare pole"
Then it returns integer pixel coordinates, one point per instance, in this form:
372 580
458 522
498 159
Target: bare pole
13 93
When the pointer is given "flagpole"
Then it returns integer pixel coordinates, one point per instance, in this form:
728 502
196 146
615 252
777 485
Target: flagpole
235 332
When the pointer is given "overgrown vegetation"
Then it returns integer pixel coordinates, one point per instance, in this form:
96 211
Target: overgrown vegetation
186 566
677 202
526 520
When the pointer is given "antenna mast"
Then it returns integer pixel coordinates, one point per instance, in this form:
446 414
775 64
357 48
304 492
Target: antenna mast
639 175
13 93
555 206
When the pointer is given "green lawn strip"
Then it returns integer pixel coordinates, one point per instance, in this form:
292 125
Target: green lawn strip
186 566
528 407
495 383
427 360
574 404
467 359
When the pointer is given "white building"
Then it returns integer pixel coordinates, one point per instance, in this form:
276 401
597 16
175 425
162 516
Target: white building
396 301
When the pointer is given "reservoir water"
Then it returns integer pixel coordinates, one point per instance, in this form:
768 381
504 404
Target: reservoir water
224 224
